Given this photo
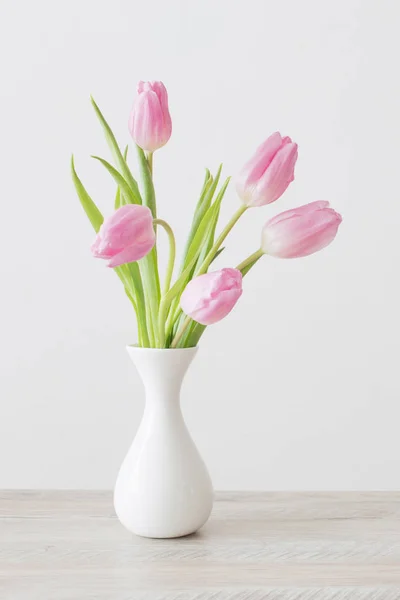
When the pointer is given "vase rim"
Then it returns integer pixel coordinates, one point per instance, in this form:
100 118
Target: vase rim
137 348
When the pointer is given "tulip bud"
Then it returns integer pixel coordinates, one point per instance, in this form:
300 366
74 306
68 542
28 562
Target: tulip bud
210 297
150 122
300 231
126 236
268 173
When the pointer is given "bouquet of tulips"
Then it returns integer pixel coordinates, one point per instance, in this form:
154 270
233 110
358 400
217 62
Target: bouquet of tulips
174 314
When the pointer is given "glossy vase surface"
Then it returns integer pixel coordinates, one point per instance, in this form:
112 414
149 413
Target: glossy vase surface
163 488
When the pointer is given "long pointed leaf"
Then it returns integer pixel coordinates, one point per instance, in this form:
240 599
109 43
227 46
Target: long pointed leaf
202 209
206 211
129 274
118 198
116 152
172 298
128 196
196 219
117 201
90 208
201 234
209 241
191 259
194 334
211 191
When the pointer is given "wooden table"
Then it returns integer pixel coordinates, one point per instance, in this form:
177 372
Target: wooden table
256 546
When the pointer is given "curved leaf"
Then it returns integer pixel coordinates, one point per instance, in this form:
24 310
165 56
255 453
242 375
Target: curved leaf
90 208
116 152
126 192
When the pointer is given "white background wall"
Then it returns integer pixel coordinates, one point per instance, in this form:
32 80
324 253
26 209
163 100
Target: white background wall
299 388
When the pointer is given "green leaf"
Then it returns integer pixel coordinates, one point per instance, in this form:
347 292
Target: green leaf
90 208
129 274
211 190
126 192
117 155
118 200
174 292
192 256
131 298
207 217
208 179
194 335
201 234
196 219
217 203
180 283
133 270
204 206
209 241
130 277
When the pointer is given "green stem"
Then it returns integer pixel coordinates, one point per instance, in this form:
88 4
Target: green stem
150 323
250 259
149 157
180 332
149 264
150 293
172 252
174 313
168 277
224 233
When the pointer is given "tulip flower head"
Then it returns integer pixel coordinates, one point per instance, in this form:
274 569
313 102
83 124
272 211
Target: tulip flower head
126 236
150 122
268 173
210 297
300 231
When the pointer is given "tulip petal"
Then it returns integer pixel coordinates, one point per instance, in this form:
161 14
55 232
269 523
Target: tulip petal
150 122
301 231
126 236
277 177
299 210
265 177
210 297
131 254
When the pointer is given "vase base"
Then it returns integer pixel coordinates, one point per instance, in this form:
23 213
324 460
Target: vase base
166 537
165 532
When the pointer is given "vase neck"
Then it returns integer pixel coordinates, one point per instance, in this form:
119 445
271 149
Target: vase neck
162 372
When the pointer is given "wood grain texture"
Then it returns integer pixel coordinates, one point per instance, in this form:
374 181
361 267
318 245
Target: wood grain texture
256 546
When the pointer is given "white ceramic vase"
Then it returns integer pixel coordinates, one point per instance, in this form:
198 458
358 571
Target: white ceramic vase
163 489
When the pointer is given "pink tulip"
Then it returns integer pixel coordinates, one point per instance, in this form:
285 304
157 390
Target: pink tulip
150 122
268 173
210 297
126 236
300 231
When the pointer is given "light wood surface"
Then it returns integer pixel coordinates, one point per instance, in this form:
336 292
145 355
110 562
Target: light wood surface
256 546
